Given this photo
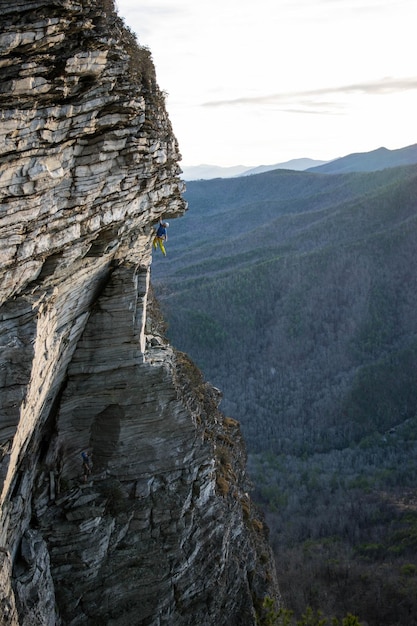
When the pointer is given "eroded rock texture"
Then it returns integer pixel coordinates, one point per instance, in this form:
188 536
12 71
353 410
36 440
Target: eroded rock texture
162 531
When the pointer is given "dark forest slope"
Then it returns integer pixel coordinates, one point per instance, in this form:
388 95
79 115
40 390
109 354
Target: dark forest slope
293 291
297 295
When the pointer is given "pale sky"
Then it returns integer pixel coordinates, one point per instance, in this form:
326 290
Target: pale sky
265 81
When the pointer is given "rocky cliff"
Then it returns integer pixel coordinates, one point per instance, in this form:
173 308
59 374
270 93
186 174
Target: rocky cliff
162 531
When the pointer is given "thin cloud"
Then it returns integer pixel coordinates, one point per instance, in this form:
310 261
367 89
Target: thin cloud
384 86
371 6
314 108
376 88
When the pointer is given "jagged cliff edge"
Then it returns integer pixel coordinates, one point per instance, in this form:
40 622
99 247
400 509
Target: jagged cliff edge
163 532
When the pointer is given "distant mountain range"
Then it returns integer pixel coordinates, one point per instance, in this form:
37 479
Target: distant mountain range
208 172
378 159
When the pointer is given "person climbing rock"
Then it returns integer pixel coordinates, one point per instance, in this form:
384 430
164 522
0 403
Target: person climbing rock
87 465
161 236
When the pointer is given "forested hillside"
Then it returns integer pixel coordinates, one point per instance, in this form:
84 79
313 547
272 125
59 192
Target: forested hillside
296 293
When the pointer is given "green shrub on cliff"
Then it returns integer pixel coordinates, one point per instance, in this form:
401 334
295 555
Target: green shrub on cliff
284 617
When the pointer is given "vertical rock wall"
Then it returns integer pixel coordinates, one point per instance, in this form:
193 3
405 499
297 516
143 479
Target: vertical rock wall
88 163
162 532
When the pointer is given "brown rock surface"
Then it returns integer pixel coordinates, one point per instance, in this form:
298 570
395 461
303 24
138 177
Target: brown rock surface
162 531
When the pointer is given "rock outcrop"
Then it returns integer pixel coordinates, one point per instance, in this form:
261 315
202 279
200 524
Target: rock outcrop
162 531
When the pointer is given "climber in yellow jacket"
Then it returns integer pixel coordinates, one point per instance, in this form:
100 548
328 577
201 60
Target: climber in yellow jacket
161 236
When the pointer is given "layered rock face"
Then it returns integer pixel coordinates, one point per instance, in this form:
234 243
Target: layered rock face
162 531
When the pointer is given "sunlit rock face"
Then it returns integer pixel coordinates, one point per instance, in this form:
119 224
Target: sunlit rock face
162 531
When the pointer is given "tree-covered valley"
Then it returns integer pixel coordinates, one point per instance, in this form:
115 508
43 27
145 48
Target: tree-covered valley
296 294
